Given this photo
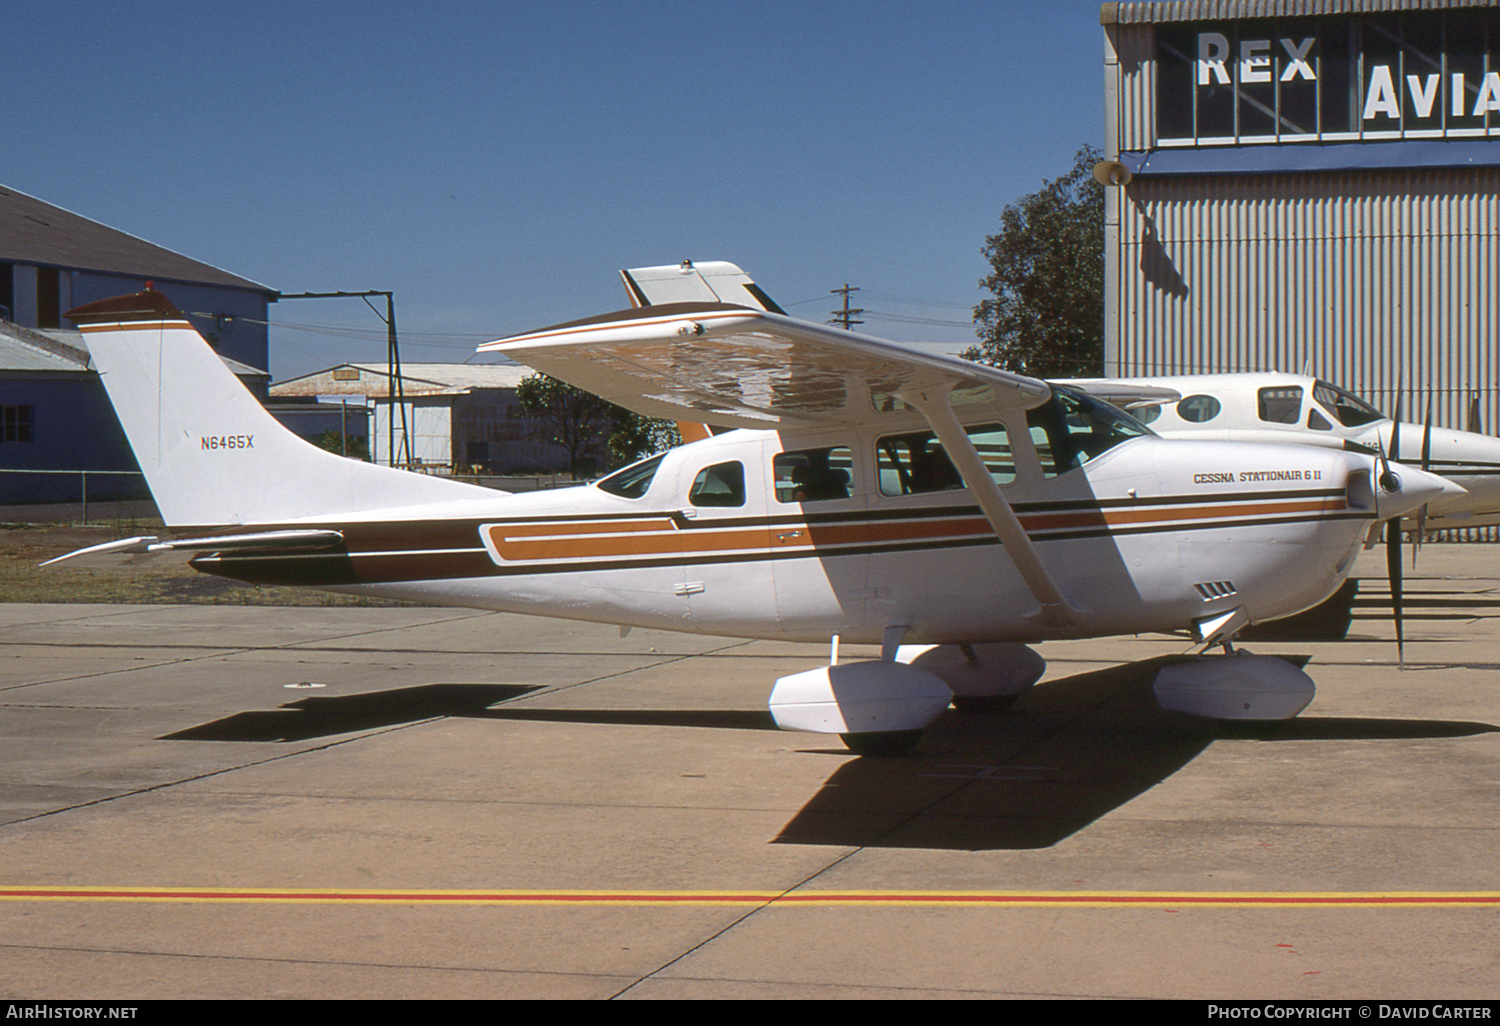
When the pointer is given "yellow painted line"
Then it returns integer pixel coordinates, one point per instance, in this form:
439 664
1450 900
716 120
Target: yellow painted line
1010 899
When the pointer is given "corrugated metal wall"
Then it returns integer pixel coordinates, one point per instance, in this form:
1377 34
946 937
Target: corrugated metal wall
1131 54
1382 281
1234 10
1385 282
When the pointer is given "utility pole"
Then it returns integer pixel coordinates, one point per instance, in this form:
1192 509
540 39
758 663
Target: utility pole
846 315
395 390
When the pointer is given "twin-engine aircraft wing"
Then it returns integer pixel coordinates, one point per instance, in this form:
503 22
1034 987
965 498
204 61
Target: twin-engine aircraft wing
730 366
1124 393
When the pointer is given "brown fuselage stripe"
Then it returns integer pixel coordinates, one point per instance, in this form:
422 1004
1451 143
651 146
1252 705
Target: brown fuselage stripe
434 550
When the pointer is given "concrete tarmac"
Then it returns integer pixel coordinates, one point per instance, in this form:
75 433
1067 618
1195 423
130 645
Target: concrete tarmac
236 802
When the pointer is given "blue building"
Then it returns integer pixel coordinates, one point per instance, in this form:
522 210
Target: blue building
54 414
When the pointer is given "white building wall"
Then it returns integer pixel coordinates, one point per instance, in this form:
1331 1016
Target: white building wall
429 425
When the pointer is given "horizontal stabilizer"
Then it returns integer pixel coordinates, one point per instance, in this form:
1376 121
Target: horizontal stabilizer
150 548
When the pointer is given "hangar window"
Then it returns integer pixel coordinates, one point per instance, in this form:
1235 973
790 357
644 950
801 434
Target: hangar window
1198 409
1375 75
1281 405
814 475
15 423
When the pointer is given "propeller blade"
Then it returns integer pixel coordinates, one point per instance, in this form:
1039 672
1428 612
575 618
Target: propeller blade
1395 450
1393 571
1427 437
1391 451
1419 537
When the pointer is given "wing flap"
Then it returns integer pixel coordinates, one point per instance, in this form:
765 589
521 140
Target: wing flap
731 366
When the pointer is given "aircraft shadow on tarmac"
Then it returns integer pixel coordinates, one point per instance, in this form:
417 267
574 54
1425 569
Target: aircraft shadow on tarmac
315 717
1069 752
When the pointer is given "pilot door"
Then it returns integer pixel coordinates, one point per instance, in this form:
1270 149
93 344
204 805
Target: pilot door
726 580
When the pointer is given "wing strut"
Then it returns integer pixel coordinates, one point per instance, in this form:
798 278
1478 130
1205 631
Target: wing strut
935 405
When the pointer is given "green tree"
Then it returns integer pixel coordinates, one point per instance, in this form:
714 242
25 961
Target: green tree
353 446
1045 314
580 421
635 436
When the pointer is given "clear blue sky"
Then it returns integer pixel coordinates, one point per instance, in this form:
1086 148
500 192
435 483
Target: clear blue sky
495 164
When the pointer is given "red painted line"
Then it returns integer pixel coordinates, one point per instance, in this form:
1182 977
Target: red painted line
1090 899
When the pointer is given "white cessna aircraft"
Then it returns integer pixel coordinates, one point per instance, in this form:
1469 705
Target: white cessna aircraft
1295 409
1243 407
947 511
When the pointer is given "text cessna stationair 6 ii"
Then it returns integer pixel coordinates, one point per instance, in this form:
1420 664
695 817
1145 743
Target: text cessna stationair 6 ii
878 495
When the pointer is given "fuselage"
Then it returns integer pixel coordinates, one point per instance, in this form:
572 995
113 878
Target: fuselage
800 536
1303 410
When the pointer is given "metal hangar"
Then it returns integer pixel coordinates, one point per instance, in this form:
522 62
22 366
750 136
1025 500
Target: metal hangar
1308 185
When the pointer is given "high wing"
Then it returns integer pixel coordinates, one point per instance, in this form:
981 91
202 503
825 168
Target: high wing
733 367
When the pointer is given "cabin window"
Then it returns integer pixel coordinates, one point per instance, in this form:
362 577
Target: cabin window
1281 405
1351 410
1073 428
722 484
1146 414
1317 421
634 480
814 475
1198 409
915 463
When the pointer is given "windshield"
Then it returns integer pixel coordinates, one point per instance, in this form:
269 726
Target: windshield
1073 428
1349 409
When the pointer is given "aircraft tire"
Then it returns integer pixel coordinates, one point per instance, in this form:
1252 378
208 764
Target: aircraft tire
992 705
882 742
1251 730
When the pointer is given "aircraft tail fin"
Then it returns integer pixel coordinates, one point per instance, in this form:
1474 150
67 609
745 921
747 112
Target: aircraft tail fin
713 281
211 453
